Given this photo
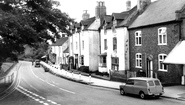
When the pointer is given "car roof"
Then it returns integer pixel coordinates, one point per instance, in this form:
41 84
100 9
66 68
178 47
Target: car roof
143 78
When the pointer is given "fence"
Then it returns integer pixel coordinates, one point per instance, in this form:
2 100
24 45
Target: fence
8 77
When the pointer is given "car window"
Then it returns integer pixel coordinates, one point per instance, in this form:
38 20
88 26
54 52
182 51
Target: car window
157 83
130 82
140 83
151 83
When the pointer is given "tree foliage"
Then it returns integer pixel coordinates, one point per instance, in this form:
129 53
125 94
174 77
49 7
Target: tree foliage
29 22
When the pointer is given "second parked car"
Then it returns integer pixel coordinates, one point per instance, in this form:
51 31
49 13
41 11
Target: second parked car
143 87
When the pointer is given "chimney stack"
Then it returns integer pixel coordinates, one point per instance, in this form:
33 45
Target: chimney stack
142 4
85 15
100 9
128 5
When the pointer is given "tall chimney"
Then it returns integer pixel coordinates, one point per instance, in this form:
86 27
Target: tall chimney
128 5
142 4
85 15
100 9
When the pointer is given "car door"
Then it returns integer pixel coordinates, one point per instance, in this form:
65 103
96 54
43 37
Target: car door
152 87
158 86
139 85
129 86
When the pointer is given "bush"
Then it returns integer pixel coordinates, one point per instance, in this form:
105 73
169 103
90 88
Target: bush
84 69
102 73
64 66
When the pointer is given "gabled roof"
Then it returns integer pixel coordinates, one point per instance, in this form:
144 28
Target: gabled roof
123 18
86 23
158 12
77 25
132 15
120 16
107 18
60 41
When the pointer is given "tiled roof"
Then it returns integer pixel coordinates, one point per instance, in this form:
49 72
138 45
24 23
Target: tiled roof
109 26
158 12
108 18
60 41
120 16
132 14
123 18
86 23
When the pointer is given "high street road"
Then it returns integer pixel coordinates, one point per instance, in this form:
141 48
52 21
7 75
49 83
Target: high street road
37 87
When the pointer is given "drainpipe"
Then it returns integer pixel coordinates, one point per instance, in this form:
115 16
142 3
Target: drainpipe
79 49
180 33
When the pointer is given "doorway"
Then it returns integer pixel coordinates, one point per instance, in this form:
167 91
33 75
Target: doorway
149 70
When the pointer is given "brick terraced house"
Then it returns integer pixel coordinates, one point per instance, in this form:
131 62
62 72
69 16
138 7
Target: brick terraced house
152 36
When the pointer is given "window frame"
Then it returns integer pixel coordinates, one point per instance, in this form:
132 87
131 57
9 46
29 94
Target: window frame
138 38
160 63
114 43
105 44
161 40
103 61
115 64
76 45
83 44
82 60
138 60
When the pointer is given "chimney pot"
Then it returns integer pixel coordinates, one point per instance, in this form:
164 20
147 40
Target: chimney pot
128 5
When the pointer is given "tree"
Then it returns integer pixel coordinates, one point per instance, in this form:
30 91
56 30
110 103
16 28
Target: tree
28 22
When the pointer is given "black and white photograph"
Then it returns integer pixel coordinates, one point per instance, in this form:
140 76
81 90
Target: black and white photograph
92 52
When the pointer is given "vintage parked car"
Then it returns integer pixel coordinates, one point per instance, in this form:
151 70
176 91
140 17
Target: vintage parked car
143 87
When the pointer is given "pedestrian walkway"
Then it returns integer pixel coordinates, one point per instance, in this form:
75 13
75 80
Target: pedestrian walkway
175 92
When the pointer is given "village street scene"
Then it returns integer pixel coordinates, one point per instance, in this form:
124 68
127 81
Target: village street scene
136 56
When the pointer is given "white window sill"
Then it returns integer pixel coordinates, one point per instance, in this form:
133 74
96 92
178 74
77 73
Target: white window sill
138 67
163 70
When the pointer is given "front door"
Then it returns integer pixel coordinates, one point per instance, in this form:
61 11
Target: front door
149 71
76 61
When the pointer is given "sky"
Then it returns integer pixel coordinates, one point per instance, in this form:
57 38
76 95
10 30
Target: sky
75 8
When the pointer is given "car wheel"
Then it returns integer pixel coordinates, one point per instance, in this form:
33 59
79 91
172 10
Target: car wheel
142 95
122 92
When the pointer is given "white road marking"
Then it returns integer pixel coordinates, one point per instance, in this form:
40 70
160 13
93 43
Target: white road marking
51 83
55 83
32 95
33 87
36 99
67 91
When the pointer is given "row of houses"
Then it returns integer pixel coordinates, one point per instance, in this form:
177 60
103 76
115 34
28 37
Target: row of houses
146 40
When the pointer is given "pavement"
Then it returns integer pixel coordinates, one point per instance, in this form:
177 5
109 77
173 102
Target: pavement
173 92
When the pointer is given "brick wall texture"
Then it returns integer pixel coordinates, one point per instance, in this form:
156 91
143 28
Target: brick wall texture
150 47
